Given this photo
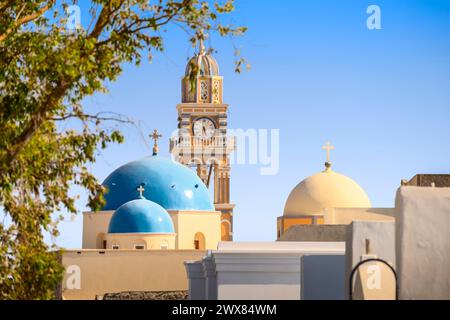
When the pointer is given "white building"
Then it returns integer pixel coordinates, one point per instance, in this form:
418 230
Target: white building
412 240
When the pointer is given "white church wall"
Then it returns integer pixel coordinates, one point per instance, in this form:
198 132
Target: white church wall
381 236
423 242
258 276
303 247
265 270
323 277
209 271
197 284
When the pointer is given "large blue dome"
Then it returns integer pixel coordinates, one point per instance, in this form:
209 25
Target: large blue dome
166 182
141 216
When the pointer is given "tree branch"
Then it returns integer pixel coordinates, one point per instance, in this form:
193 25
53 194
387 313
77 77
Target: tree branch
27 19
37 120
96 117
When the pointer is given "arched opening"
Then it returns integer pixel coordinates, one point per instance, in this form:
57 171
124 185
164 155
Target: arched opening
194 162
101 241
199 241
212 161
225 230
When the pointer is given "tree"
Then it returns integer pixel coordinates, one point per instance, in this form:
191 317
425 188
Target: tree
46 72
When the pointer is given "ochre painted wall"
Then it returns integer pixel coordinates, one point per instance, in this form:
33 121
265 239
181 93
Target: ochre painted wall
188 223
337 216
284 223
226 226
95 227
108 271
348 215
151 241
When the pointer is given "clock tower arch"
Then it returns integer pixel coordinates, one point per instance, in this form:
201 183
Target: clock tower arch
201 141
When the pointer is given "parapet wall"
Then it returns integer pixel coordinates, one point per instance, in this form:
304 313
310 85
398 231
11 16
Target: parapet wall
423 242
96 272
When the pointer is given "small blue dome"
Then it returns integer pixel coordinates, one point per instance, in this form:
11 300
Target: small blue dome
141 216
168 183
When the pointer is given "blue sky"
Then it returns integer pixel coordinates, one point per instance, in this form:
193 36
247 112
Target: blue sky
382 97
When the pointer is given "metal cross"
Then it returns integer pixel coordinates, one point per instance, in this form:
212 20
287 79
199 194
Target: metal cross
328 147
141 191
155 136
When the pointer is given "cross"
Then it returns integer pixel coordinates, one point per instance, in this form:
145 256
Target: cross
201 46
328 147
155 136
141 191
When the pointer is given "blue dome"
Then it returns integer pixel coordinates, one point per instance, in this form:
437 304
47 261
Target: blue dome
166 182
141 216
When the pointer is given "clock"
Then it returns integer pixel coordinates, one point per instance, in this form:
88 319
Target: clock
204 128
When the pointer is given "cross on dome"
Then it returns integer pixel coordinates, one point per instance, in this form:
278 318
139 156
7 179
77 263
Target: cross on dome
202 64
141 190
328 147
202 36
155 136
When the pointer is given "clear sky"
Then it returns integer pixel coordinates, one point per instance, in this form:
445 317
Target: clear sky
382 97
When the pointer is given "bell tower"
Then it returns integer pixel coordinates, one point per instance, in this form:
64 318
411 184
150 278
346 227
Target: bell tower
202 141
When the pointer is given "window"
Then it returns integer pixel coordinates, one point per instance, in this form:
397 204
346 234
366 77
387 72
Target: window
225 230
115 247
204 91
100 241
139 246
199 241
216 91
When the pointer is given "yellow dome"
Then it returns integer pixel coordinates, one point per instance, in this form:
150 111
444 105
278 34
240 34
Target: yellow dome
326 189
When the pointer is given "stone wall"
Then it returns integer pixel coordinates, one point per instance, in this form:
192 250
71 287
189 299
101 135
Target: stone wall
327 233
426 180
146 295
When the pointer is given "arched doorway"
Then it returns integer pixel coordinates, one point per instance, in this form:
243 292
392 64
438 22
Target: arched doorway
225 230
101 241
199 241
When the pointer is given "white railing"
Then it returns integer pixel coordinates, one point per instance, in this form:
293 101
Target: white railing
182 142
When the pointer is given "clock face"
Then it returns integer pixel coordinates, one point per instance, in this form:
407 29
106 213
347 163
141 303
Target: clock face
204 128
